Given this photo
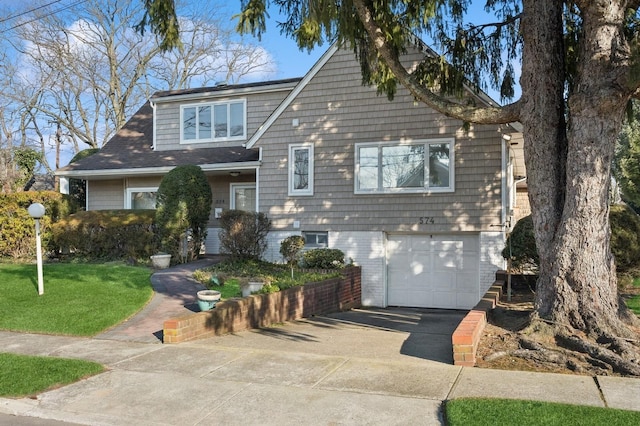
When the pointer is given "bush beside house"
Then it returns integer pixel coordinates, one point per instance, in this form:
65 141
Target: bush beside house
183 207
17 230
323 259
244 234
107 234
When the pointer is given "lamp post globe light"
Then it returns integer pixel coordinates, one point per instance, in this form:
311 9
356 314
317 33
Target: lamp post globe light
36 211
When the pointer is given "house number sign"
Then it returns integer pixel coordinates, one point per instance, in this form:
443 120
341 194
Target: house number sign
426 220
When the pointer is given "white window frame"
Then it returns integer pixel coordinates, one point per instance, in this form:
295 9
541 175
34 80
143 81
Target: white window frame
306 191
129 191
232 193
213 105
315 233
426 189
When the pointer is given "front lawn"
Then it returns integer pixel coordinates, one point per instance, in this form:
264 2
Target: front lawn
78 299
23 375
489 412
633 302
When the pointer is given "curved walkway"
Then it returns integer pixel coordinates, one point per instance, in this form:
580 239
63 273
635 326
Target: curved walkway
174 295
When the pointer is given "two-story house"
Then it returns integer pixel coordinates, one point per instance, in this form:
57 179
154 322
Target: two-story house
418 200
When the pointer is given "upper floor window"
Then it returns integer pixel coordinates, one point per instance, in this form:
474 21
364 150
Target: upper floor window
421 166
215 121
301 169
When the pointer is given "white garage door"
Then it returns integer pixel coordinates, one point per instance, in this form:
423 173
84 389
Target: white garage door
433 271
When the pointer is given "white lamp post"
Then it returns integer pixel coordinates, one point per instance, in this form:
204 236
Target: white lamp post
36 211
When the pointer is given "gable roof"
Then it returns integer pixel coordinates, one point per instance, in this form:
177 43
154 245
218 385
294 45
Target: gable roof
130 152
224 89
292 95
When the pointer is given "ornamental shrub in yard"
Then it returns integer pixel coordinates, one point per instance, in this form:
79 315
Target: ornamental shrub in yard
323 258
183 208
244 234
521 246
290 249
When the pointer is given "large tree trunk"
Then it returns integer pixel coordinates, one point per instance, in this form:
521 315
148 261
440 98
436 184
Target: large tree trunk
568 168
584 294
577 290
542 117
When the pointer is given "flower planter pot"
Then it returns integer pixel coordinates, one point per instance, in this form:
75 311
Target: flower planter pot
161 261
251 287
207 299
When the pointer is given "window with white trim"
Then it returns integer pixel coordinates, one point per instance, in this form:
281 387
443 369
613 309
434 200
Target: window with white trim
301 169
315 239
420 166
214 121
141 198
243 197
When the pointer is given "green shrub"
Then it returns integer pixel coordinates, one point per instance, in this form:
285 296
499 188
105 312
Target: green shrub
183 208
290 249
244 234
625 237
625 241
323 258
521 246
17 229
107 234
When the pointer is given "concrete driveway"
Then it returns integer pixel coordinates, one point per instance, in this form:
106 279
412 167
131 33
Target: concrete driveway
391 333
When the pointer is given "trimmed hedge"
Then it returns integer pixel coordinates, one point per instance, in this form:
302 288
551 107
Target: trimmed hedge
323 259
107 234
17 229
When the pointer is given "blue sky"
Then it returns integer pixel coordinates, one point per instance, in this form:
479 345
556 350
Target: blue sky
290 60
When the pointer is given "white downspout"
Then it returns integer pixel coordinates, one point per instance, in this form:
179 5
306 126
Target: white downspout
153 136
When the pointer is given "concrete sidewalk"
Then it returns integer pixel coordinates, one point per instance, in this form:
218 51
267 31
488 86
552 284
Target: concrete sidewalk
369 366
304 372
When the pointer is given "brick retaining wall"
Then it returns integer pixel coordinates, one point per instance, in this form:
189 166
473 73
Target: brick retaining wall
262 310
466 337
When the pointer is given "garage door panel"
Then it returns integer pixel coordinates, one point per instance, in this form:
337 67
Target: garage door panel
442 281
465 300
444 300
466 282
439 271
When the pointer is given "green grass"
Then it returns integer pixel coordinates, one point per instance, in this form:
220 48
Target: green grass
231 288
485 411
633 303
78 299
22 375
